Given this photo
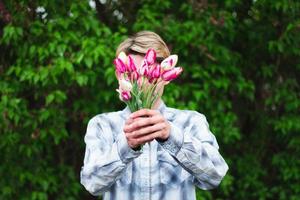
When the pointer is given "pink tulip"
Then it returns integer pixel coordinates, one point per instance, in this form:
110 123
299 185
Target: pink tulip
120 66
131 65
145 80
144 69
171 74
150 70
134 75
124 95
150 56
156 71
151 80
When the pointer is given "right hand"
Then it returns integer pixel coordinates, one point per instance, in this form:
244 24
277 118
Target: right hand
146 126
131 139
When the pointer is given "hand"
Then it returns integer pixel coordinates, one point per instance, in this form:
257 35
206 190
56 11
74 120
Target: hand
144 126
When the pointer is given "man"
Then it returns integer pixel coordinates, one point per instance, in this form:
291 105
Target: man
179 151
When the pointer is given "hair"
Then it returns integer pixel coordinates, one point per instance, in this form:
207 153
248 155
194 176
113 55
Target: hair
141 41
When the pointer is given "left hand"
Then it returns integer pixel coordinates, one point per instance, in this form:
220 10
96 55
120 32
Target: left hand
148 125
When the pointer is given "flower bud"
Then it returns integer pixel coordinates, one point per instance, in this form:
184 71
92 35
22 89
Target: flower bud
171 74
169 62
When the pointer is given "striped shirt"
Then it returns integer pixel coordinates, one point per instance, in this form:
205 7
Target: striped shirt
160 170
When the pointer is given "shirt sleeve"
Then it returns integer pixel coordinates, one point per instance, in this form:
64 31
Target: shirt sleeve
105 158
195 148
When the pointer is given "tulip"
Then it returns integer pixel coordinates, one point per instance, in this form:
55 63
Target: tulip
134 76
151 80
138 85
124 95
169 62
123 57
156 71
171 74
150 56
125 85
120 66
131 65
144 69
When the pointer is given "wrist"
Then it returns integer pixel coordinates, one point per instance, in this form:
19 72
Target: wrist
137 148
161 140
164 137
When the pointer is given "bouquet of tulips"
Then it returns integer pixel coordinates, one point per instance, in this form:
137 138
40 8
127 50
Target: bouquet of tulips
138 86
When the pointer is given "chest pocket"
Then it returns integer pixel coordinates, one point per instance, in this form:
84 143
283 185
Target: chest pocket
170 171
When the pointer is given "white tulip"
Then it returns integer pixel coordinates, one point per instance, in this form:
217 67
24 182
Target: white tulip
169 62
125 85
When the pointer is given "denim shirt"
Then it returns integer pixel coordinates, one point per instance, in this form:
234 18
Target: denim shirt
160 170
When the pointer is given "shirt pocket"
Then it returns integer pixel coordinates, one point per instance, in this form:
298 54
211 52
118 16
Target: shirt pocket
170 171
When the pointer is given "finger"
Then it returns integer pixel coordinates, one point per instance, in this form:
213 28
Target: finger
125 129
148 130
128 121
128 127
149 137
143 112
138 123
143 122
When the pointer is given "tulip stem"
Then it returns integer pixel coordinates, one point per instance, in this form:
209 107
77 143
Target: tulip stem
156 95
150 94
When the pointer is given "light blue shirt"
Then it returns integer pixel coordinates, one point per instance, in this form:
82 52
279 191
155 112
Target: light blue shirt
161 170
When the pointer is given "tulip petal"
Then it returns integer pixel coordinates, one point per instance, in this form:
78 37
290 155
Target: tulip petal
169 62
156 71
171 74
125 85
144 69
131 64
126 96
123 57
150 56
120 66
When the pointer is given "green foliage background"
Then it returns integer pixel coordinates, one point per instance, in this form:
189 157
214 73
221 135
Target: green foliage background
241 64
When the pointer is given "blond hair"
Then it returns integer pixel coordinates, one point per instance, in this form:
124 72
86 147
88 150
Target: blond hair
140 42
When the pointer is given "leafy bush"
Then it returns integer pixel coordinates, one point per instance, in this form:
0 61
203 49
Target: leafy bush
241 69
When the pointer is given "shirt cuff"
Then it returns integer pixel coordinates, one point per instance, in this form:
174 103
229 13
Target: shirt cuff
175 141
126 153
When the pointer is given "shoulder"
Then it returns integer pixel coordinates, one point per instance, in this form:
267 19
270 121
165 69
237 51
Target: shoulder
105 117
195 122
103 126
187 115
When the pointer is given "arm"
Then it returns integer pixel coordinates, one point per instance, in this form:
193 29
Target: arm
195 148
105 159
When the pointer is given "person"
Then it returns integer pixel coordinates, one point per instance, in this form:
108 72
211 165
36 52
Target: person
179 151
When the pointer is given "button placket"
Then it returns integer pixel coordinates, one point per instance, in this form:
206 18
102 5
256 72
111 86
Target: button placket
144 175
